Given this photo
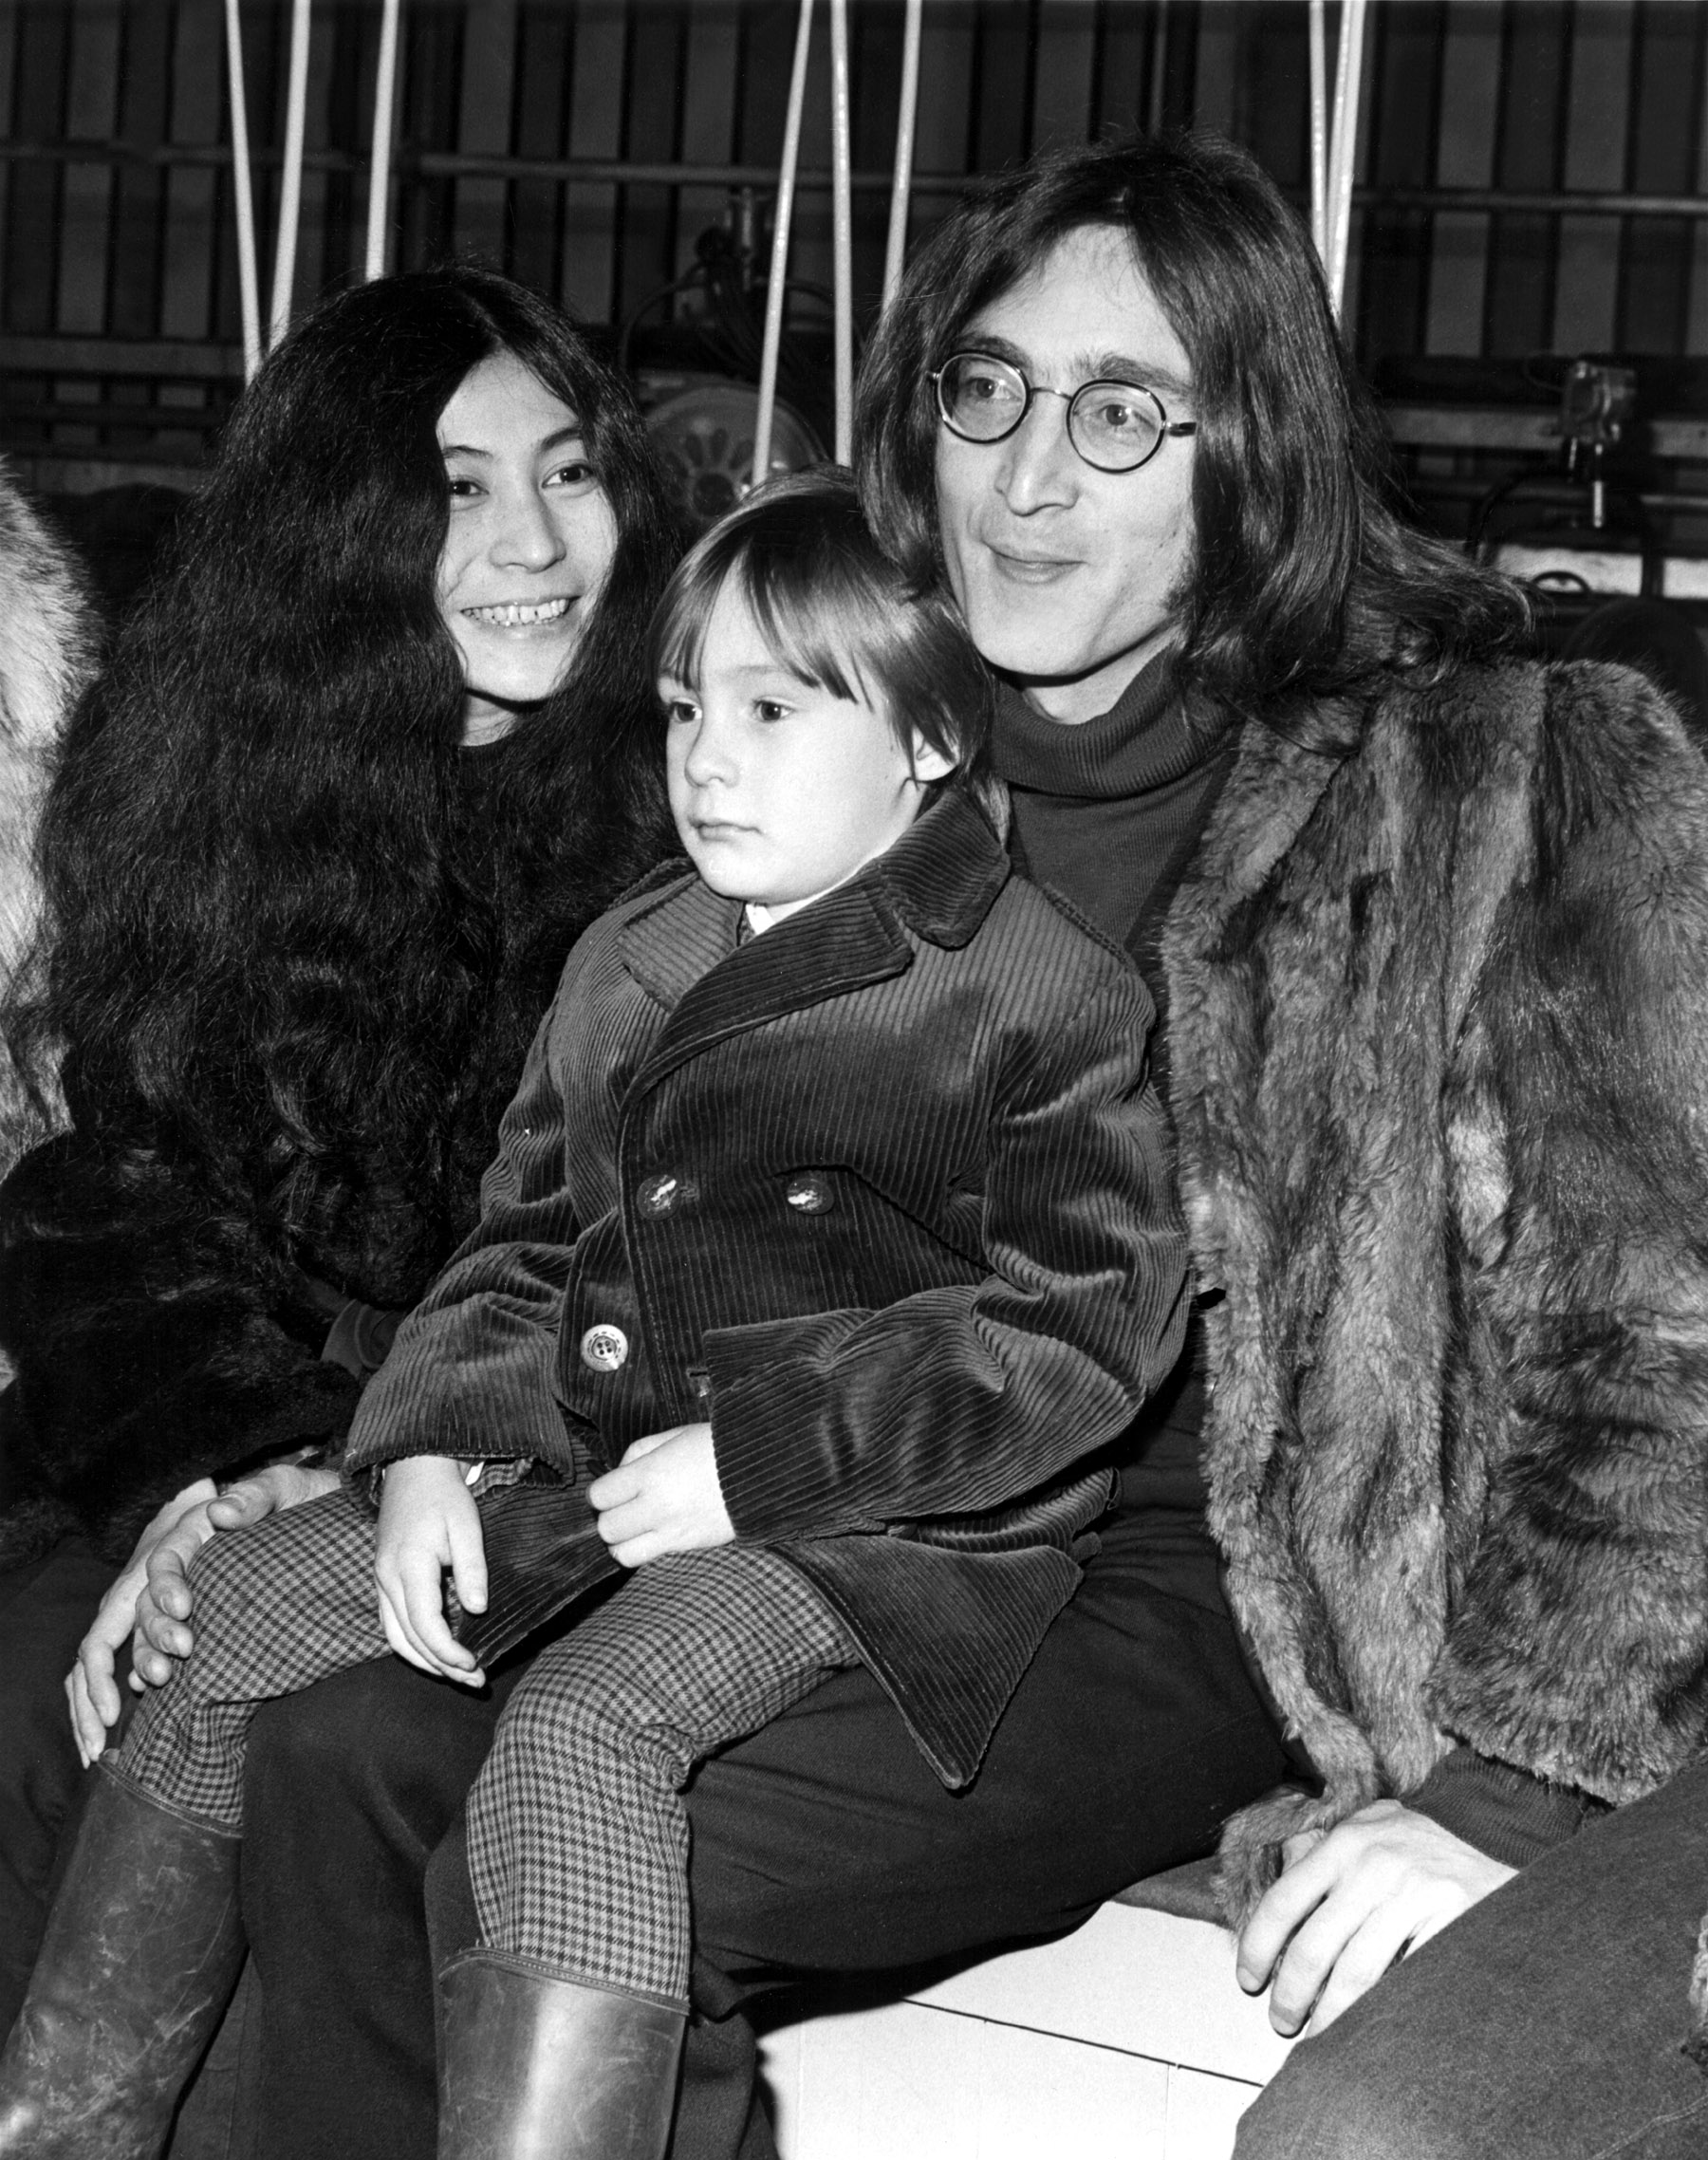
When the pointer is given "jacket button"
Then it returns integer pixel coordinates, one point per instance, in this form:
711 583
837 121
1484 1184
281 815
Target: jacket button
660 1193
810 1195
604 1349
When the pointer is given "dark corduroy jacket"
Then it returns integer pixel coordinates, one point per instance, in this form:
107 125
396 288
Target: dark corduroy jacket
885 1194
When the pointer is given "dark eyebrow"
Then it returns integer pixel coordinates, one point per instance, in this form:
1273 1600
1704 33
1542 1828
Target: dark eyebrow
1098 368
575 434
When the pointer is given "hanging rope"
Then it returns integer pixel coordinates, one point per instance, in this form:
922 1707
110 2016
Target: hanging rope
1319 128
779 263
1334 138
1342 145
249 283
291 189
902 185
842 230
379 167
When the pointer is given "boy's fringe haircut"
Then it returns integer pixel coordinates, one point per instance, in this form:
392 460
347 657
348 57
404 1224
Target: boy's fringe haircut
836 612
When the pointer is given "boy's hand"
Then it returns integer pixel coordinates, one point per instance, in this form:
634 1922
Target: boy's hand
428 1522
663 1496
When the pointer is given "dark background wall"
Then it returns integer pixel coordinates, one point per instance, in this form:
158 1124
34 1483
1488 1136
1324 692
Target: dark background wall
1530 178
117 214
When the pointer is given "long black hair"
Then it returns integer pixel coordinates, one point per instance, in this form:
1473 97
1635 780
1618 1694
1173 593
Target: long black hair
1304 578
297 940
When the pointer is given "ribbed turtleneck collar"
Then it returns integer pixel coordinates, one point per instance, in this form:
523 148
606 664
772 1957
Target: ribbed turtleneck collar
1148 738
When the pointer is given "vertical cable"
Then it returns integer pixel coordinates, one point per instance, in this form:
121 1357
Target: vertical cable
779 263
249 283
1319 129
380 168
841 228
894 251
291 186
1342 150
1159 68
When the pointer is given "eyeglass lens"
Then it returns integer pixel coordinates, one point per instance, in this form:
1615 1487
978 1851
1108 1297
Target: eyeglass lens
1113 425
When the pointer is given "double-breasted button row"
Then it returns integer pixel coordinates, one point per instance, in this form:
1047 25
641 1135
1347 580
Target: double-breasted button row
666 1190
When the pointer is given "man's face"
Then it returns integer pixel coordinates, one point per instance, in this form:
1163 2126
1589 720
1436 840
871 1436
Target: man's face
1070 579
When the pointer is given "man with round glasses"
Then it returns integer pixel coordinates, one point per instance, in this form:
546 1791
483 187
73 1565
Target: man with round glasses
1115 426
1427 930
1427 927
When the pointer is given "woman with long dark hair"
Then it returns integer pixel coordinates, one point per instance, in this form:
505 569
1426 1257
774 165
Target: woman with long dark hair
369 755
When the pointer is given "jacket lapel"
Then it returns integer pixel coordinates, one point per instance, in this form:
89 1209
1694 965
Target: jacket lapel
940 880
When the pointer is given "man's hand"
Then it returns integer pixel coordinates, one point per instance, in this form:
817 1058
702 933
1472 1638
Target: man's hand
428 1522
1350 1904
663 1496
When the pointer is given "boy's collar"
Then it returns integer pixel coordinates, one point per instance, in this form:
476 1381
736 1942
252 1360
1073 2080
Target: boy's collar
943 875
939 881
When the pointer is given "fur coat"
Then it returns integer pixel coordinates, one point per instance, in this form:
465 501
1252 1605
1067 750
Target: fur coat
48 645
1439 1040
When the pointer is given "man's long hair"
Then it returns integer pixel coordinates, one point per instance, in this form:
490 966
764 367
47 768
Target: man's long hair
1305 581
284 947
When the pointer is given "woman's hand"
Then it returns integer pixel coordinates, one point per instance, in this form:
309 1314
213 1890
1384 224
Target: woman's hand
1349 1904
91 1687
164 1637
150 1601
428 1522
663 1496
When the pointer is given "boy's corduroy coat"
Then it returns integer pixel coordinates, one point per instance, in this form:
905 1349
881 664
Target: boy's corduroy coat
1439 1046
884 1192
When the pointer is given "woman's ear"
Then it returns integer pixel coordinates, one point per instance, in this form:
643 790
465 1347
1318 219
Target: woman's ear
929 763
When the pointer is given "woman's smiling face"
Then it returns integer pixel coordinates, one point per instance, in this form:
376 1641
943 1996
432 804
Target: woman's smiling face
529 544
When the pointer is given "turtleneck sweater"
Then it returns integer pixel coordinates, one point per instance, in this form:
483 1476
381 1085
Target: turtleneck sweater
1109 814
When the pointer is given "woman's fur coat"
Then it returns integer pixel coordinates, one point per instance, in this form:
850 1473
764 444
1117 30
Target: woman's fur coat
47 644
1440 1038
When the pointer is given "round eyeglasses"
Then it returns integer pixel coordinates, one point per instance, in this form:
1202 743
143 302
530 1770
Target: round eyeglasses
1115 427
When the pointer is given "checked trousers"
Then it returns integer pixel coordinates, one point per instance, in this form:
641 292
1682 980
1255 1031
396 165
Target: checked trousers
578 1839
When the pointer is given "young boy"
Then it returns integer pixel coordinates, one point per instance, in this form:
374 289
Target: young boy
829 1239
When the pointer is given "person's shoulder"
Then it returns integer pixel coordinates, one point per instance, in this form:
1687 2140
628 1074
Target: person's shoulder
596 956
657 888
1051 957
1592 744
662 882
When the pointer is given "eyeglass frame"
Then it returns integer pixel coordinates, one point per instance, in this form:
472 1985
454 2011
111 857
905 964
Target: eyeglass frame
1069 398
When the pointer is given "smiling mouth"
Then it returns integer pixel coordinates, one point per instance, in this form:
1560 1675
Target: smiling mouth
519 614
1030 569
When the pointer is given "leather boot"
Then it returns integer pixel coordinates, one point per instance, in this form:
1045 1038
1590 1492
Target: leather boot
141 1953
537 2068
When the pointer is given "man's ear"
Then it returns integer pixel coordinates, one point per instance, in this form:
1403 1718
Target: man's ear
930 764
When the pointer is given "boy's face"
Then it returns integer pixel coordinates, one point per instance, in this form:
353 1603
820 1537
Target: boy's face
781 791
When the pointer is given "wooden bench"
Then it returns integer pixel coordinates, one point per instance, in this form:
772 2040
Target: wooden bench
1130 2038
